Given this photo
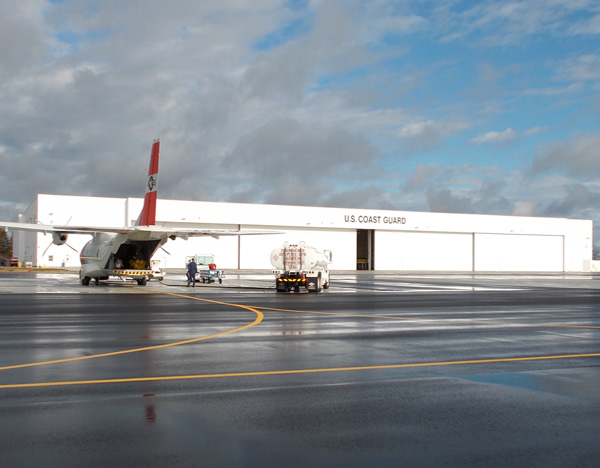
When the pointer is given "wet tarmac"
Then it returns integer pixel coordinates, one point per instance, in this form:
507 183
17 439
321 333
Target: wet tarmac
380 370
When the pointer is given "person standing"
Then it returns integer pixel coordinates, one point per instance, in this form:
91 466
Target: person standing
192 269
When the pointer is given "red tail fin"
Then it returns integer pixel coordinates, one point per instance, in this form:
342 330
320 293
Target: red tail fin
148 214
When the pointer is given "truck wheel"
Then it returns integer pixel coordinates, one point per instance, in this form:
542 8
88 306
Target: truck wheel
85 281
326 285
142 282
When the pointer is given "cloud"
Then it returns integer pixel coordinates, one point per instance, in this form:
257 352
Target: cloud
385 19
302 161
424 135
495 137
524 208
582 68
510 23
22 42
589 26
533 131
578 200
505 136
487 198
553 91
331 47
374 196
578 158
95 104
423 175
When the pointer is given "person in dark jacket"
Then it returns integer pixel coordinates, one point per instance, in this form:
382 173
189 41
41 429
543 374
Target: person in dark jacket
192 269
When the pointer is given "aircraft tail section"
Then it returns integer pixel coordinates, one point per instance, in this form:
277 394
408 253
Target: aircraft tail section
148 215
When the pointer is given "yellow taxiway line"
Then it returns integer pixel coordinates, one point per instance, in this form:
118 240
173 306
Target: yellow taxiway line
259 318
437 320
298 371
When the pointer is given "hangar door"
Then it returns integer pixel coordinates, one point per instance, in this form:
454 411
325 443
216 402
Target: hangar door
365 246
424 251
512 252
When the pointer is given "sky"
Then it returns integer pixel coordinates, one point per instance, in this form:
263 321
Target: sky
488 107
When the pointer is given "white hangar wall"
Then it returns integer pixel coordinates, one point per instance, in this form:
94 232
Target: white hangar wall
468 252
502 252
459 242
423 251
38 249
415 241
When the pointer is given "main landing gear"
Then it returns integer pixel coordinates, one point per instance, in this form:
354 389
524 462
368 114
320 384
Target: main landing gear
86 280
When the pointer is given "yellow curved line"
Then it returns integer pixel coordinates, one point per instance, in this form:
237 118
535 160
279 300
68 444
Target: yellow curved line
298 371
418 319
259 319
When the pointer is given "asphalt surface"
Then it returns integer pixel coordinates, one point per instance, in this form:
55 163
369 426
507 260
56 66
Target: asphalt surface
380 370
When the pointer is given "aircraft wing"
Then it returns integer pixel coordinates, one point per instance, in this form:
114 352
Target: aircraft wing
154 231
160 231
49 228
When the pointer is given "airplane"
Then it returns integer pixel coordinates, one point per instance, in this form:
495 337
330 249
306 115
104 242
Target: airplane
125 251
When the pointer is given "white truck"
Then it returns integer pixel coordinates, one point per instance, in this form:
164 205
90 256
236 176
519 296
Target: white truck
299 265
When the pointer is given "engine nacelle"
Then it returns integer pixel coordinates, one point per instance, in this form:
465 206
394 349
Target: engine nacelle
59 238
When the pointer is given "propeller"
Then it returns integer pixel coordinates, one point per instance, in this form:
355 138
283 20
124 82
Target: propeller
62 243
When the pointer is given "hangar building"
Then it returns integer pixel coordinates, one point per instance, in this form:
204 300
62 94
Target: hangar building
360 239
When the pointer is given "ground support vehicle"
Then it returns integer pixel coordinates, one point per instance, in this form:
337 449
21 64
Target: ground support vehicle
207 268
211 275
157 272
300 266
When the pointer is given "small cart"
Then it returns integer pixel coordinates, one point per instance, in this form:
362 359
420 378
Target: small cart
207 269
211 274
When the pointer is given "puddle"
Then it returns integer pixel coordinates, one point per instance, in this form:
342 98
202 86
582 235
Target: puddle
580 383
